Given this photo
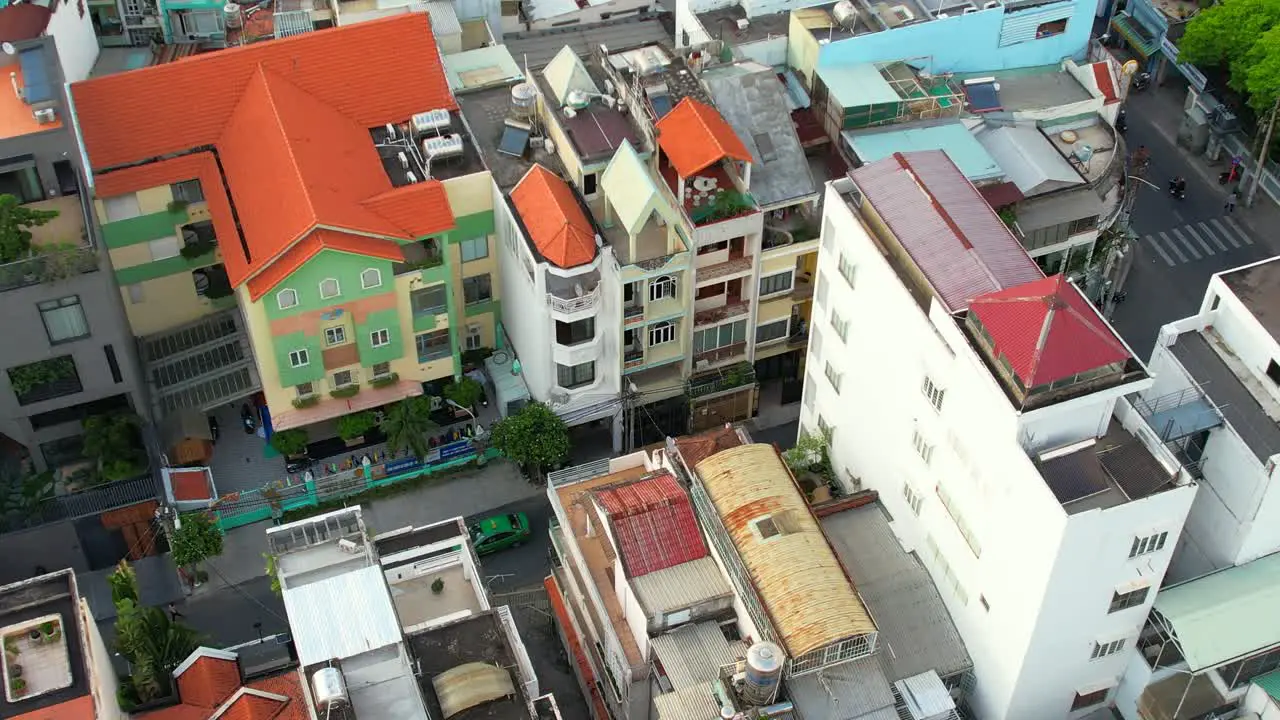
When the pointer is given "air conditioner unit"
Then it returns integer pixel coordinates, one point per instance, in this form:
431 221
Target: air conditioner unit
903 13
348 546
970 10
45 116
442 146
991 4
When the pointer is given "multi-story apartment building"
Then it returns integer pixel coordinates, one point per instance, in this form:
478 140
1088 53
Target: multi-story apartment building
70 353
997 431
348 223
55 662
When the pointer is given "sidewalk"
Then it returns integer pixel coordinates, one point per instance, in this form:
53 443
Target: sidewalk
497 483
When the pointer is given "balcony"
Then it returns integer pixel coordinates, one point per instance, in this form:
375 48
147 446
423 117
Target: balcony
573 295
723 380
720 355
633 314
730 268
59 249
733 307
418 256
581 303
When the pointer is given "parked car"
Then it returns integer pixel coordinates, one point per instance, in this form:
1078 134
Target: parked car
498 532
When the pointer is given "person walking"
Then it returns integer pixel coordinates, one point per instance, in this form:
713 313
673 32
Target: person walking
1230 205
173 613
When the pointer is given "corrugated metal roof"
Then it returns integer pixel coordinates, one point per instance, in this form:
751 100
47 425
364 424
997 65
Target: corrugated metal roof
858 85
1226 615
444 19
681 586
652 524
692 703
943 222
341 616
811 602
855 690
950 136
1029 159
1043 212
925 695
693 654
1270 684
916 631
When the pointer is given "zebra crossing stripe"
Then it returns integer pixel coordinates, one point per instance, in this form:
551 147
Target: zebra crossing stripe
1174 247
1209 233
1190 248
1156 244
1231 238
1243 235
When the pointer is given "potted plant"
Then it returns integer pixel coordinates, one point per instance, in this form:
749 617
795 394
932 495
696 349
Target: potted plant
17 687
34 634
437 586
290 442
15 670
51 631
351 428
11 646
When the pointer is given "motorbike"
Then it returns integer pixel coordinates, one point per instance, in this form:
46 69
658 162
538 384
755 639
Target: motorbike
1141 81
1178 189
247 419
1122 123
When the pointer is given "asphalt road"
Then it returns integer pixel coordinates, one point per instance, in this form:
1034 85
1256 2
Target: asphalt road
520 567
1182 243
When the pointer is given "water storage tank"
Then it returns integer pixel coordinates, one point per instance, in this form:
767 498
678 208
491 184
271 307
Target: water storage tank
764 670
231 14
329 689
845 13
524 100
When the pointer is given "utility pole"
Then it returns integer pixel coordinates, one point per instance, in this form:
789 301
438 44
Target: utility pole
1262 156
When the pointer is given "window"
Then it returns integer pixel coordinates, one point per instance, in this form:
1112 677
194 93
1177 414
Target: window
1148 544
828 234
663 332
1051 28
914 499
1085 700
1241 673
1101 650
304 389
165 248
1124 601
136 294
576 332
933 392
847 269
380 338
429 301
1273 372
718 337
476 248
966 531
815 342
477 289
713 247
661 287
589 184
382 369
820 290
188 191
573 376
771 331
342 378
948 577
1082 225
371 278
823 427
841 326
855 196
63 319
335 335
433 345
833 376
113 364
329 288
923 448
299 358
777 283
122 207
287 298
474 340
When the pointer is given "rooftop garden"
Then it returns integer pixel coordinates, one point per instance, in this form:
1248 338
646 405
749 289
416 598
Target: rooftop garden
25 262
725 205
36 661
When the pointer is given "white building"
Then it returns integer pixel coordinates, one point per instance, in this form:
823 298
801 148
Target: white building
986 403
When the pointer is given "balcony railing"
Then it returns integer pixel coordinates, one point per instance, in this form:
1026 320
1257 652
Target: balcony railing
632 359
632 314
733 308
721 354
577 304
49 265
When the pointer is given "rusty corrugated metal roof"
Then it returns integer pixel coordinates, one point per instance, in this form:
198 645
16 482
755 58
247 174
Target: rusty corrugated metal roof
944 223
810 599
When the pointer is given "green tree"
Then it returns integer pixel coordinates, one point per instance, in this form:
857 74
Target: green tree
1230 35
154 644
466 392
16 222
197 539
407 424
113 441
290 442
123 583
535 437
1262 80
356 424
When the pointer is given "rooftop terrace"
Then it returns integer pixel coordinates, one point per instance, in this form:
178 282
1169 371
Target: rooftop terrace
442 654
1258 288
826 23
17 115
40 620
1112 470
490 116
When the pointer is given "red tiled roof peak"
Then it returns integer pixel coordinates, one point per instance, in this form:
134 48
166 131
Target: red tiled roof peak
653 524
1047 331
557 226
695 135
208 681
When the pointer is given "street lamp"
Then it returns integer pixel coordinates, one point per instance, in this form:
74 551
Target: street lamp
467 410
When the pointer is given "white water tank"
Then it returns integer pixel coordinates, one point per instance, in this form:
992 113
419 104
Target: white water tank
524 100
232 16
763 672
442 146
431 120
845 13
329 689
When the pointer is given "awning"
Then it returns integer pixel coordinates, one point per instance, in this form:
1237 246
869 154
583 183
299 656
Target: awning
1228 615
1140 41
1054 210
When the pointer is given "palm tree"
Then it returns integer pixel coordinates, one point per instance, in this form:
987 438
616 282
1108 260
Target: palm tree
154 644
407 424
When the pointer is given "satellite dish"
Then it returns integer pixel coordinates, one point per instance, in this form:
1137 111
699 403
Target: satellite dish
8 48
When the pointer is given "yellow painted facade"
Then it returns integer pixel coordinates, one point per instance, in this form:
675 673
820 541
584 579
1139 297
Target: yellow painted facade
167 302
774 309
259 331
154 200
407 366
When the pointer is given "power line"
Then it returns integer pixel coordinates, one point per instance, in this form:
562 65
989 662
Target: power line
240 590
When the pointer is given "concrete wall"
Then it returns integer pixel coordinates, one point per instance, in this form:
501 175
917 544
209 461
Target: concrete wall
103 681
72 29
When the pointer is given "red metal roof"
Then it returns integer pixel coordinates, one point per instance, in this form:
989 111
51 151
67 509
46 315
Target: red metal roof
1106 84
694 135
653 524
1048 331
945 224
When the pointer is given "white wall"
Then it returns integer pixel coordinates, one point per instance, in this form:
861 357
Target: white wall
77 44
1026 600
103 682
525 316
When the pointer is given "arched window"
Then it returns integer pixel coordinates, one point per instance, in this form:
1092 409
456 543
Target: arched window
287 298
371 278
662 287
663 332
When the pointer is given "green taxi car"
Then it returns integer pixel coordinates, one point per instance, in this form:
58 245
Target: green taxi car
498 532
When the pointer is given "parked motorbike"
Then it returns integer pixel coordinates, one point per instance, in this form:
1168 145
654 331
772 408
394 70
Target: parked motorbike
213 428
1122 123
1141 81
247 419
1178 188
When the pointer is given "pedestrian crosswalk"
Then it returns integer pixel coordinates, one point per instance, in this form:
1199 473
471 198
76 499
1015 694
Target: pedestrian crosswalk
1198 240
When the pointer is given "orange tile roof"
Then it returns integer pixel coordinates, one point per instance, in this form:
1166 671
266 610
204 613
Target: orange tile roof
554 219
189 485
80 708
290 686
252 707
694 135
209 681
289 122
177 106
298 255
